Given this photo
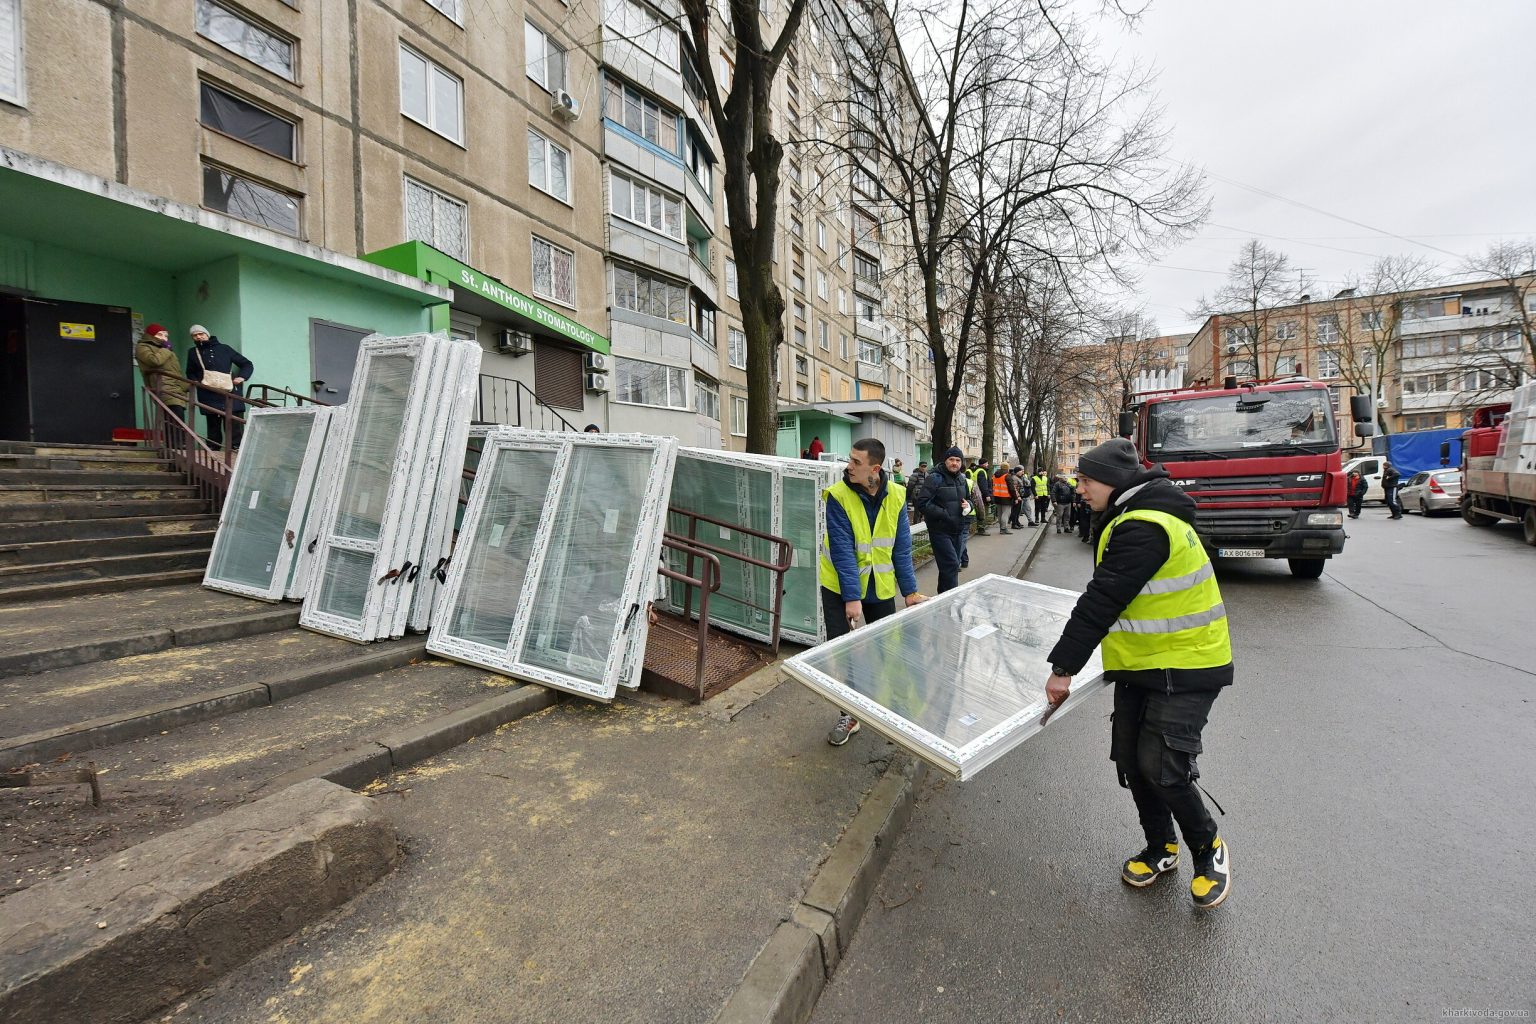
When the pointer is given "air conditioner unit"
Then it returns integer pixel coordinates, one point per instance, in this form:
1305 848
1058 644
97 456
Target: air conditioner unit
514 343
564 105
1231 350
597 362
597 382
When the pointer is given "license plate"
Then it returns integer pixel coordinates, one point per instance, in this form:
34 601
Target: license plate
1240 552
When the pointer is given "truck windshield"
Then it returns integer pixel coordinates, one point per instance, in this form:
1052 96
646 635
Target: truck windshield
1234 424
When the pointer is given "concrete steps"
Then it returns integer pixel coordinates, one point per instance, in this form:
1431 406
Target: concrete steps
16 554
78 511
102 527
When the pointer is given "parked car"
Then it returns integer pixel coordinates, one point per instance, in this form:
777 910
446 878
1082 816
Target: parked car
1370 468
1436 490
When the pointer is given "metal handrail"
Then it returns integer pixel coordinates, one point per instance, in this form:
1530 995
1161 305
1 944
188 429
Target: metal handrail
173 439
268 390
708 583
785 554
520 396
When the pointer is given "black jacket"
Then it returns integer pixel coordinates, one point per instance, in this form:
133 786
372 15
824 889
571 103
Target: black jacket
1136 551
1390 476
218 357
1061 492
939 503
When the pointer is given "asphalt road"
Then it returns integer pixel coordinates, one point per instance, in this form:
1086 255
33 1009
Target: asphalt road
1375 762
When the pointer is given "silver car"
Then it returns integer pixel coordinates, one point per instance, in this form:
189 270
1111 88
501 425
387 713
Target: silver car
1435 490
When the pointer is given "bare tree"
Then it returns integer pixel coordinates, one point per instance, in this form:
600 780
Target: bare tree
1258 281
1513 264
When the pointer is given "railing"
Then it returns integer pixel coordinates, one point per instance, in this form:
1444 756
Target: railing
779 568
268 391
707 584
512 403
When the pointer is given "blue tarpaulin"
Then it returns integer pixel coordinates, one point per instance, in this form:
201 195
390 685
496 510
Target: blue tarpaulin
1418 450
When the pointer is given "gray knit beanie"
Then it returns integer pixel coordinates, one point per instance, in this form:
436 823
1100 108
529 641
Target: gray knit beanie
1114 463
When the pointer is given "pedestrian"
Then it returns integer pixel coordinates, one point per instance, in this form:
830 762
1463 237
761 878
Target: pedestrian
976 474
161 370
1021 503
1084 519
945 506
591 428
867 557
1357 489
914 490
1005 495
1061 498
1389 478
211 356
1042 496
897 477
1155 610
816 448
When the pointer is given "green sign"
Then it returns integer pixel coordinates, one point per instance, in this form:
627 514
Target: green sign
421 260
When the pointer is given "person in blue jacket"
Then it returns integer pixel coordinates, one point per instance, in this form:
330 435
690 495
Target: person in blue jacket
209 353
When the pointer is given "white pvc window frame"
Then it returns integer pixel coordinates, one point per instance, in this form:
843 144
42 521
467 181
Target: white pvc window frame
289 543
626 646
327 466
939 614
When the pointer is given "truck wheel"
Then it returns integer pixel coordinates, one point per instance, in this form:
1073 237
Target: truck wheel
1307 568
1472 516
1528 524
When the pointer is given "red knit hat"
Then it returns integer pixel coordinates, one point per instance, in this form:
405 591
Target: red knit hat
153 329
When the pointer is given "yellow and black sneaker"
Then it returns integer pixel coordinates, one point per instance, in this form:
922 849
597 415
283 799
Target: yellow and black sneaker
1145 868
1213 875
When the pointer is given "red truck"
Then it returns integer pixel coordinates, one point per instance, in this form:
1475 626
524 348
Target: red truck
1498 464
1261 460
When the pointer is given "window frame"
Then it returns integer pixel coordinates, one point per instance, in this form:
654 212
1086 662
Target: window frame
431 94
731 334
250 21
19 54
549 45
550 145
677 289
620 364
633 182
738 402
203 83
704 388
437 194
437 5
533 280
298 199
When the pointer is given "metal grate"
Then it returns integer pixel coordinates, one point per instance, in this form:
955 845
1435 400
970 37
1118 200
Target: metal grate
671 659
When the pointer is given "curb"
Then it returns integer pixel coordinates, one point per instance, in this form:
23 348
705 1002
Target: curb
148 642
379 757
157 718
787 976
1027 557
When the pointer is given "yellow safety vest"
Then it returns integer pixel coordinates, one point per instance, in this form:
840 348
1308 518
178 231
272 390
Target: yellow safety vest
1178 620
1072 482
1042 487
875 548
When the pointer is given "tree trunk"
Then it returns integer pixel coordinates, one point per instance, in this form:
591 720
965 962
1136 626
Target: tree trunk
989 401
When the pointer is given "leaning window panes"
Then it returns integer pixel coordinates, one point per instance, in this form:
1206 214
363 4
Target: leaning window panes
958 680
545 59
550 584
237 34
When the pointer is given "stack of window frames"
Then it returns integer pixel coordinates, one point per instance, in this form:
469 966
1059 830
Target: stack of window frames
557 559
328 465
760 492
261 526
959 680
408 398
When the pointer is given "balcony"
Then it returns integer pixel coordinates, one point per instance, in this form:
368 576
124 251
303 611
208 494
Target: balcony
705 357
872 373
1455 324
871 330
702 278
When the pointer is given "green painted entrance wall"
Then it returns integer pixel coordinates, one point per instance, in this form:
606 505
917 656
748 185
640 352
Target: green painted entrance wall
835 432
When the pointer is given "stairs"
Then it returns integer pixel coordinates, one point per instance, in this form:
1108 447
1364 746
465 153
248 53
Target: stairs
89 519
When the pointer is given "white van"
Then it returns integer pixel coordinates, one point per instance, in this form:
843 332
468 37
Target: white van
1370 468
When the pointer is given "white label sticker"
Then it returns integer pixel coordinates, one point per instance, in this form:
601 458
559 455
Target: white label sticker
496 532
968 720
255 497
978 632
362 502
725 534
611 521
794 558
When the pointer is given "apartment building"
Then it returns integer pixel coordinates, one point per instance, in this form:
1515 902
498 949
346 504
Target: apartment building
1106 374
1430 355
541 177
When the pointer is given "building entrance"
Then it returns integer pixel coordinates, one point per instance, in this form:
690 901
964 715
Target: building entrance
66 371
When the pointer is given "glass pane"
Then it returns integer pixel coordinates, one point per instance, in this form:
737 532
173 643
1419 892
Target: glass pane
344 586
250 201
418 212
379 405
245 121
533 53
413 85
445 104
802 509
450 234
740 494
536 172
250 538
250 41
492 592
577 605
558 183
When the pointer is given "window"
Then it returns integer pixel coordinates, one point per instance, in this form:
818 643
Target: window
824 383
638 113
706 397
802 393
640 383
802 365
431 96
738 416
240 119
702 165
731 287
866 269
544 60
821 285
645 28
453 9
1327 363
842 300
701 320
645 204
824 333
800 337
549 167
247 200
868 311
799 310
554 272
821 235
558 376
870 352
797 282
1327 330
437 219
1239 335
261 46
736 348
641 292
842 345
1370 320
1285 330
796 228
13 84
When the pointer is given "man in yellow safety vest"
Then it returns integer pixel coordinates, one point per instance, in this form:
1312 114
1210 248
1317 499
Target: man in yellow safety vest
867 556
1154 606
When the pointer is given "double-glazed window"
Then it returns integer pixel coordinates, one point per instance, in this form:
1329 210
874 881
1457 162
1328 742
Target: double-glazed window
544 60
240 197
736 348
640 292
437 219
701 318
554 272
738 416
645 28
647 118
453 9
701 164
707 397
431 96
732 286
13 83
238 33
549 167
241 119
866 269
641 383
647 205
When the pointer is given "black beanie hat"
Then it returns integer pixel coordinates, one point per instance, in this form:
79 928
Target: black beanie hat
1114 463
954 453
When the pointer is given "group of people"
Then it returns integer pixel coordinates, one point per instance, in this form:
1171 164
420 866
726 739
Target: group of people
166 377
1152 607
1358 486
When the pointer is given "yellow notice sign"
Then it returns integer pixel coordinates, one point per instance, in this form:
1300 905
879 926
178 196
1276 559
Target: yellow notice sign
86 331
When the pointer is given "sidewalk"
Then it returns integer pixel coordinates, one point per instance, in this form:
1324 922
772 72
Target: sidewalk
588 863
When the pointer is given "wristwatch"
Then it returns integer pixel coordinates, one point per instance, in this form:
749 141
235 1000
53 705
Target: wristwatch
1057 670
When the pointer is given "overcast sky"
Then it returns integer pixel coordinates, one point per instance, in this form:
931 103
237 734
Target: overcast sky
1413 117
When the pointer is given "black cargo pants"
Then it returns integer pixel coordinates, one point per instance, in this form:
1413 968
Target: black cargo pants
1154 742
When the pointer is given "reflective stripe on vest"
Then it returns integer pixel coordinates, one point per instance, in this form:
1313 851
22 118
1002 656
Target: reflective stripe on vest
1178 619
874 548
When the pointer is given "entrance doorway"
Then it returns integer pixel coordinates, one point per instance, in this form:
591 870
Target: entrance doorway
332 358
66 371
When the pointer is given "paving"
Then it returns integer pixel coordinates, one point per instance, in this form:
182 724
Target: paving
620 863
